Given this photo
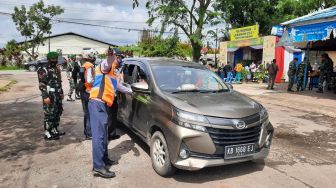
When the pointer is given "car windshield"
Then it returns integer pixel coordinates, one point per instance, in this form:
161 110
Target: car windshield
178 79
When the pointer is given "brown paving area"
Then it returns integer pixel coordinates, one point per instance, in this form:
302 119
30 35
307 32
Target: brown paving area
302 155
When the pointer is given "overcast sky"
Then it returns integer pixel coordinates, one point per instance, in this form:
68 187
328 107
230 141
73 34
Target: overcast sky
113 10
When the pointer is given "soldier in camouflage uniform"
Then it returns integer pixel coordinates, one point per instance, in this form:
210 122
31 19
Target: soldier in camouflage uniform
303 69
300 76
291 74
326 70
50 84
72 76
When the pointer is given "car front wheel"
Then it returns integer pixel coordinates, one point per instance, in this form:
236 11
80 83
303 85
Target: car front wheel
160 155
32 68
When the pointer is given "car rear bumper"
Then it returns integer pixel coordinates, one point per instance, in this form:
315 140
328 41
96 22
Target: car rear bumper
195 163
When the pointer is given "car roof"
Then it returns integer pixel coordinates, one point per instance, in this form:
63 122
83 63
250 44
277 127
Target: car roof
164 61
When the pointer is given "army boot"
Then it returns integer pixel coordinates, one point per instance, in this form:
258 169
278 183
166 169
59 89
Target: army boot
49 136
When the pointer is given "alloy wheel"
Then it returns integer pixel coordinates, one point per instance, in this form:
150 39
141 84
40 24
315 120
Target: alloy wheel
159 153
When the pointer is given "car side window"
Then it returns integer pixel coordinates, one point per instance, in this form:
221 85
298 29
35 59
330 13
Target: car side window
127 72
139 75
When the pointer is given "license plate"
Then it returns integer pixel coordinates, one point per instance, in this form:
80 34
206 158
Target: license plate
237 151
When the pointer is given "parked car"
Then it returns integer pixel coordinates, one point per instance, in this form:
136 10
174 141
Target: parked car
189 117
34 65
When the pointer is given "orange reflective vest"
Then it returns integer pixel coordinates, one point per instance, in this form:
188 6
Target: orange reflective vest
87 85
104 86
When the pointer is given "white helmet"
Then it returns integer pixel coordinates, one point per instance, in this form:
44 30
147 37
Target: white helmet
88 55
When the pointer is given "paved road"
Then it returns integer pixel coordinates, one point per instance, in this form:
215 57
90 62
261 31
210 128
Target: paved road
303 152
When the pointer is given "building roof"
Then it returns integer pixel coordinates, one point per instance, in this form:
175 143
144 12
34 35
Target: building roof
325 15
76 34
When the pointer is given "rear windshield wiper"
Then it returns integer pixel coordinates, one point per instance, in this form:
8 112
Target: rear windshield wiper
191 91
220 91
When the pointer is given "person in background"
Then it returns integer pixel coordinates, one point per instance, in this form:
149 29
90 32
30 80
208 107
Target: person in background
238 69
101 99
72 71
113 121
300 73
87 78
229 74
291 74
326 69
248 76
272 72
253 68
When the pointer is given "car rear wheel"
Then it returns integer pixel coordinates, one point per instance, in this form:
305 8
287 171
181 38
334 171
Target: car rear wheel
32 68
160 155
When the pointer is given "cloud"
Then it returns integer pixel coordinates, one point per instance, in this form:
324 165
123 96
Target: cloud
111 10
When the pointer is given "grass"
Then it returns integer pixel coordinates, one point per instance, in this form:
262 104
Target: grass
10 68
8 86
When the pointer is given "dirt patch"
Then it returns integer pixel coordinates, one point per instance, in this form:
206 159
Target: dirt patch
316 148
8 86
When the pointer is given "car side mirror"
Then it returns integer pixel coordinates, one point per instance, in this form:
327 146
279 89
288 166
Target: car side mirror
140 87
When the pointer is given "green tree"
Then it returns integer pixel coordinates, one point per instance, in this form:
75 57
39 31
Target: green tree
34 24
240 13
189 16
12 51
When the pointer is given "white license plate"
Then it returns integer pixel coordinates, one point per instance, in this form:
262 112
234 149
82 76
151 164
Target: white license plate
237 151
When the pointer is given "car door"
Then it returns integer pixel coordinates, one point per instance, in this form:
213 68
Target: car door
141 102
125 99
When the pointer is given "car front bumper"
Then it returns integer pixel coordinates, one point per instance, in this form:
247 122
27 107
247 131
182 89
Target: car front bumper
203 151
195 163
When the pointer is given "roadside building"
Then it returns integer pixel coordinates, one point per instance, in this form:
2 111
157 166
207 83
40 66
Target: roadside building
246 45
310 36
73 43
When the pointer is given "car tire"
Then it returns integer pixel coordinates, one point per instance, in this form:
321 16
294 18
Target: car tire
32 68
160 155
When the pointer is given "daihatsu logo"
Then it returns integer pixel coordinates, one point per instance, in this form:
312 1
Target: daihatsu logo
240 125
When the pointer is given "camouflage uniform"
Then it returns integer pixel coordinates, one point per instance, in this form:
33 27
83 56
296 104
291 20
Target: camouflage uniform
291 74
300 75
50 84
326 69
72 83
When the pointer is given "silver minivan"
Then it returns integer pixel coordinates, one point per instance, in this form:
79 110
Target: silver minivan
189 117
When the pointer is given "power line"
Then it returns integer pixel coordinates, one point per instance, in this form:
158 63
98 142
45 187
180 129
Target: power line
103 26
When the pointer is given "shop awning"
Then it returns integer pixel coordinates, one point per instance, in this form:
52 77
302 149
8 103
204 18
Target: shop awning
257 47
232 49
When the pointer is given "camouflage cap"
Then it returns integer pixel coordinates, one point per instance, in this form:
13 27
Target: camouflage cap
73 56
52 55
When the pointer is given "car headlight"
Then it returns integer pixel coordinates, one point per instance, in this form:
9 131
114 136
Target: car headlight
263 113
189 120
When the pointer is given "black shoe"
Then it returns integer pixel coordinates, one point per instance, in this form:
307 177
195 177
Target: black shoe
272 88
77 97
114 137
51 137
104 173
289 90
70 98
59 133
110 162
88 137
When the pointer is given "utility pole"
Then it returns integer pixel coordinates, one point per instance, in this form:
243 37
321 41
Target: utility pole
216 46
49 43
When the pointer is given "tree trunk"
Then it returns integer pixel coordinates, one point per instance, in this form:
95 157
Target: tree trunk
196 51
